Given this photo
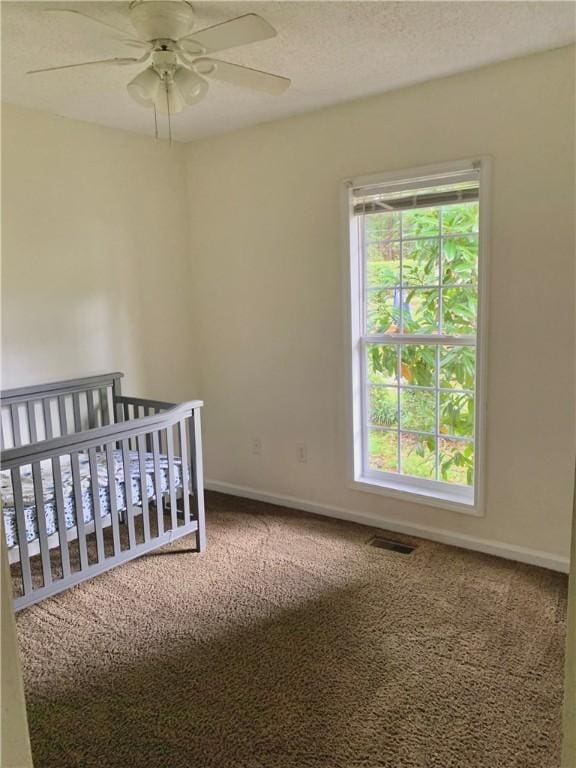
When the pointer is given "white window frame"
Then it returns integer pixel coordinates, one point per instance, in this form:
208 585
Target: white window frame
416 490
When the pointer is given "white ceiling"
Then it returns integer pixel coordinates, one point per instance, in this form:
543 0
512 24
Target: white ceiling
333 51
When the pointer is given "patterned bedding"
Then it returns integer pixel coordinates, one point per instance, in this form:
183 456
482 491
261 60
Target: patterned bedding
68 491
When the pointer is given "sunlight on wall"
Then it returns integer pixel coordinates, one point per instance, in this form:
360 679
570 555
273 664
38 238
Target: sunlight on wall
272 345
94 247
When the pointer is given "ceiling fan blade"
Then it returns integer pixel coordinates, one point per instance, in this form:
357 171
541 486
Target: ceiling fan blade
237 75
116 60
138 44
249 28
117 32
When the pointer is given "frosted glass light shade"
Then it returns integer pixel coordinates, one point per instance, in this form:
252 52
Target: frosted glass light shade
146 88
192 87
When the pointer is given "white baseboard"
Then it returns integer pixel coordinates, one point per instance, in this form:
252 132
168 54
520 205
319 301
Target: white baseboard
508 551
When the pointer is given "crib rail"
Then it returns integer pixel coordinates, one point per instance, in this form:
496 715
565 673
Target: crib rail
159 457
44 411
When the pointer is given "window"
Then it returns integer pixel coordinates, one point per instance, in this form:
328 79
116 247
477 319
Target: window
416 277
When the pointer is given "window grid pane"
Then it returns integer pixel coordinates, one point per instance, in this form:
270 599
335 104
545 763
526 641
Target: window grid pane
386 392
418 454
422 447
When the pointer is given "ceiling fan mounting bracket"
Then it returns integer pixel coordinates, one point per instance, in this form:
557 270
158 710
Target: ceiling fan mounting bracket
162 19
163 44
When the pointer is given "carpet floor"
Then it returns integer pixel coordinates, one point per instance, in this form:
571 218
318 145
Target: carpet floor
291 643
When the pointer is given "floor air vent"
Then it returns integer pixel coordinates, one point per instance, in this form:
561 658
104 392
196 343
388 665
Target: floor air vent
393 546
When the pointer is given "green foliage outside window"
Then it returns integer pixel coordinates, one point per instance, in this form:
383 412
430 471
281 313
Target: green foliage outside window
416 282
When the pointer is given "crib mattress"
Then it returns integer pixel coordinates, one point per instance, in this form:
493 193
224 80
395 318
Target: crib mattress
29 498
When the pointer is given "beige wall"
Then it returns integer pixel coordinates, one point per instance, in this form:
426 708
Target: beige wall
266 236
94 244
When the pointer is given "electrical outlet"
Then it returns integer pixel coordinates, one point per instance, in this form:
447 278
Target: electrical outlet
302 453
256 446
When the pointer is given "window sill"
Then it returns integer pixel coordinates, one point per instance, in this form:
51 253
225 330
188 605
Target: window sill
451 500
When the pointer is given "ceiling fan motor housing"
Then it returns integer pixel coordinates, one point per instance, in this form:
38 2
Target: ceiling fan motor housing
154 19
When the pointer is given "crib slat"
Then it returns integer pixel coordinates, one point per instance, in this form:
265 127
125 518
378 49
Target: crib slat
128 492
158 482
15 416
6 423
62 415
126 408
59 498
96 507
147 411
171 482
32 431
198 477
80 525
104 409
91 412
143 487
76 410
41 520
21 530
49 432
184 470
111 469
116 392
135 415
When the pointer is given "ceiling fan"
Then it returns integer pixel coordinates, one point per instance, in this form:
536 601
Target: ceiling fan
176 59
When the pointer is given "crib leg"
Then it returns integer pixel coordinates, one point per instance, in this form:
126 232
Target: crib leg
201 532
198 502
198 480
198 514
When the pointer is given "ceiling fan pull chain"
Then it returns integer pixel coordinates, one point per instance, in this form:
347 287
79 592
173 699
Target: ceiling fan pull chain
168 109
155 123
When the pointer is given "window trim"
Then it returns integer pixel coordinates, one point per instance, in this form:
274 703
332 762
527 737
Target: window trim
401 486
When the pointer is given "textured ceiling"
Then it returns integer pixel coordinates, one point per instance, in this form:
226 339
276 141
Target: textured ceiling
333 51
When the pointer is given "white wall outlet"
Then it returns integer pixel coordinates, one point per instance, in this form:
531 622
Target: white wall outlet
302 453
256 446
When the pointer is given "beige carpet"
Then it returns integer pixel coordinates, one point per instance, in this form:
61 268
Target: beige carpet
292 644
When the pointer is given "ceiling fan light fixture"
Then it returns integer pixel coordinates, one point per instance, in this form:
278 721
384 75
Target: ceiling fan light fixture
146 88
192 87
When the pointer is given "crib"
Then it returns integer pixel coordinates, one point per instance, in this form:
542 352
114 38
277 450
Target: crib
91 479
